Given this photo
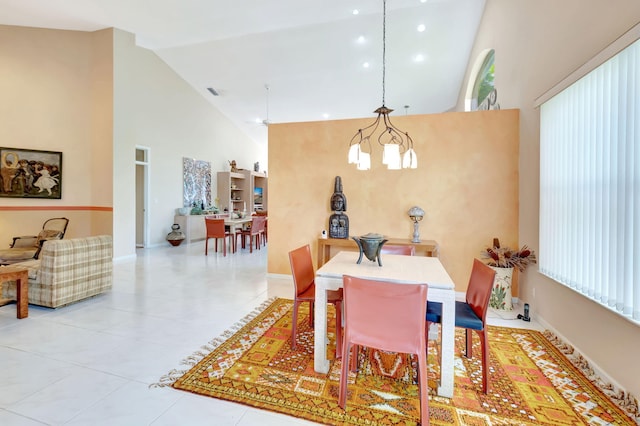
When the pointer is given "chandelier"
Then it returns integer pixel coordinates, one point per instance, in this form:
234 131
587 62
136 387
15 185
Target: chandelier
397 145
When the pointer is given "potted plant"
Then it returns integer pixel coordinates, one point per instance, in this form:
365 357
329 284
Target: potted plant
503 260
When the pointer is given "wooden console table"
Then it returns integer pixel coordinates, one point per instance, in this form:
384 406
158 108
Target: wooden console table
425 247
21 277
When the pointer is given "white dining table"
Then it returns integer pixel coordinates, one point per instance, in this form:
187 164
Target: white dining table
236 224
395 269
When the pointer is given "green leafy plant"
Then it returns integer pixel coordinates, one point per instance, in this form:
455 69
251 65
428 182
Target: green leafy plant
505 257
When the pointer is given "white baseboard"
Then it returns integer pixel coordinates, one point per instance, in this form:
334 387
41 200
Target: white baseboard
597 370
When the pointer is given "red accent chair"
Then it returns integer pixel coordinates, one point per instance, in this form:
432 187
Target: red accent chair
305 291
389 317
253 233
216 229
472 313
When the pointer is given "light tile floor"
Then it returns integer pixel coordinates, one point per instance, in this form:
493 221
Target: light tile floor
91 363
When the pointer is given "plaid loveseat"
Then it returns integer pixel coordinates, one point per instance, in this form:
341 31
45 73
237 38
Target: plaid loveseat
68 270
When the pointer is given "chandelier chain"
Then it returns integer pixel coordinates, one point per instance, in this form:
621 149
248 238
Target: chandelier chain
397 145
384 48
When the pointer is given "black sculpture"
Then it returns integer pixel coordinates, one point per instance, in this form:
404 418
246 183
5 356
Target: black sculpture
338 221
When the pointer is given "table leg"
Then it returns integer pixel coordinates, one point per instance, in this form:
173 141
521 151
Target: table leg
22 292
320 362
448 300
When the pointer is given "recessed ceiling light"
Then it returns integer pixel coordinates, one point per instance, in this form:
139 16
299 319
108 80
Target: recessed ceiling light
423 1
361 39
419 58
421 28
325 115
356 11
365 65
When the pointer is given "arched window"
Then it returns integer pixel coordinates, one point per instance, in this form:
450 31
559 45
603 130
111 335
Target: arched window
481 92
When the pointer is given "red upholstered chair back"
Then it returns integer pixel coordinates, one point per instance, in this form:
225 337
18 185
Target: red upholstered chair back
215 227
302 268
398 249
479 289
384 315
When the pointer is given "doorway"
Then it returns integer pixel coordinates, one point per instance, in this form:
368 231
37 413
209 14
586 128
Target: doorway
142 196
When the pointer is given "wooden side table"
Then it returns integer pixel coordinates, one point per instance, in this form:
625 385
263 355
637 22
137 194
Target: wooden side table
21 277
425 248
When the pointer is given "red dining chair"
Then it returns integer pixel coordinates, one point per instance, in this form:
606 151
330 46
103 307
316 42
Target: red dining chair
253 233
386 316
472 313
398 249
216 229
265 236
305 291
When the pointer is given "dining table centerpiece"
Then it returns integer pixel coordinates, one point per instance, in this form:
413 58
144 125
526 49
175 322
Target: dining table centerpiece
504 260
370 245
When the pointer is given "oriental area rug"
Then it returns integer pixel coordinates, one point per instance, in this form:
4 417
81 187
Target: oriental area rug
535 379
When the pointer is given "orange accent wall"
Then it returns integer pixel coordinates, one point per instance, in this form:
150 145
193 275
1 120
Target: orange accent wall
466 181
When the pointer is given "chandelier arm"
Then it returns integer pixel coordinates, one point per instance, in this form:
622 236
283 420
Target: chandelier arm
397 136
375 125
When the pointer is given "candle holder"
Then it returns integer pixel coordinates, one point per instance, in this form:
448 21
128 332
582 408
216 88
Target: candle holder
416 214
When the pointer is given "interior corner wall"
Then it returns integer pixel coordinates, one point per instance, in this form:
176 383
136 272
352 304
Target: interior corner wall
101 137
155 108
51 81
537 44
466 182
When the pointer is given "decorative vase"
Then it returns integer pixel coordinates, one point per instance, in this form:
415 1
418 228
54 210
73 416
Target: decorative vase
370 245
501 291
176 236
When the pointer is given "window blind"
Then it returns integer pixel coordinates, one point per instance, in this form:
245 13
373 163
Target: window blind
590 184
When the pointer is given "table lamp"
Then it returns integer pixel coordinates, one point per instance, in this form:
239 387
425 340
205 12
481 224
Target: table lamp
416 214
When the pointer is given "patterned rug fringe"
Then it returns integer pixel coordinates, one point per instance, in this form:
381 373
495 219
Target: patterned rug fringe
623 399
167 380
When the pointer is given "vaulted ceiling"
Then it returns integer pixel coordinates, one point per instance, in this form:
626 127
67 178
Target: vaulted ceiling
289 60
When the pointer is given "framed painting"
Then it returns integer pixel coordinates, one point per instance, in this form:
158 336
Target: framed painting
27 173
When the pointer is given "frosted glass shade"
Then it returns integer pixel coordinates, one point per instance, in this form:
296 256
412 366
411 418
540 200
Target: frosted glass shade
354 154
365 161
391 156
410 160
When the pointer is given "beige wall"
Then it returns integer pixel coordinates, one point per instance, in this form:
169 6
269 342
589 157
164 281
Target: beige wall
155 108
95 96
537 44
56 90
466 181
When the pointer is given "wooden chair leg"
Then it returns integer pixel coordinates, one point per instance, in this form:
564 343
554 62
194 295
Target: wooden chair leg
338 306
468 343
423 386
311 311
344 376
206 247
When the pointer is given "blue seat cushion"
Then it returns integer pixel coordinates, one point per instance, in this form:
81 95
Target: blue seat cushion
465 317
